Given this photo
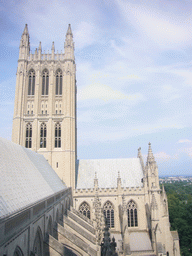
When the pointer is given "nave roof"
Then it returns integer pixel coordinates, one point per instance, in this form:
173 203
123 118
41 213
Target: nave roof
26 178
107 171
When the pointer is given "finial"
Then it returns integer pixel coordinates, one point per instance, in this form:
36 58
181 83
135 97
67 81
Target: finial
118 174
150 156
39 45
69 32
25 32
95 175
53 46
139 151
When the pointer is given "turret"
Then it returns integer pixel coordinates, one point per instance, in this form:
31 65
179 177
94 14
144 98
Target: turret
24 48
69 45
39 51
53 51
151 170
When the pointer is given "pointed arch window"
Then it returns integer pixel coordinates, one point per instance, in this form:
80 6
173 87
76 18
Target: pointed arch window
43 135
45 82
132 214
18 252
108 211
28 138
58 88
57 135
31 85
84 209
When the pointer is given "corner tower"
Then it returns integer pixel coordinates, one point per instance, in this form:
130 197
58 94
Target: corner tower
45 104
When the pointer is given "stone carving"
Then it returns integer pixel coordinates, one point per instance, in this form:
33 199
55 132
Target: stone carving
108 248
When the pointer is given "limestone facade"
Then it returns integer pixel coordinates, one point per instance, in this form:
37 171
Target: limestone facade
45 104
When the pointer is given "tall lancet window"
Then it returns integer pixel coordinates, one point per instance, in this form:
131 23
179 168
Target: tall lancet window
58 88
31 85
84 209
132 214
43 135
57 135
108 211
45 82
28 138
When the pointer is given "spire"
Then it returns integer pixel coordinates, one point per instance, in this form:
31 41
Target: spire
25 32
24 50
69 45
69 31
150 157
53 47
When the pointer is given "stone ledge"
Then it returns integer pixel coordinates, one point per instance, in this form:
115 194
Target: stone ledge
81 222
76 241
79 230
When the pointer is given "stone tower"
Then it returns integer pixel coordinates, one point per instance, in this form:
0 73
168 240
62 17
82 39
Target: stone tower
45 104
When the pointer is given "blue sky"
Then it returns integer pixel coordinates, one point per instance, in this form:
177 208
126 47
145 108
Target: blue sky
134 74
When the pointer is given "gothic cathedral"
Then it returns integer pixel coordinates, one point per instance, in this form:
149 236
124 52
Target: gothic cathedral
124 192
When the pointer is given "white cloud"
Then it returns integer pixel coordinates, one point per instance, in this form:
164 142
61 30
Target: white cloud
106 93
85 34
162 156
164 28
184 141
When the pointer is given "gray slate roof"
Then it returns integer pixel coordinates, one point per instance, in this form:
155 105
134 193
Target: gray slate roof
107 172
140 241
26 177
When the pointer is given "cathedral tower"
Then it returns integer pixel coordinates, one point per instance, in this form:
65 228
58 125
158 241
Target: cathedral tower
45 104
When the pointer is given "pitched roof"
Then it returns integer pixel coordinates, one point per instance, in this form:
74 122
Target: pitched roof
140 241
107 172
26 177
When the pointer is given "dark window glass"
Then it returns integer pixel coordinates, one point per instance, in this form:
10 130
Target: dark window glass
84 208
28 139
108 211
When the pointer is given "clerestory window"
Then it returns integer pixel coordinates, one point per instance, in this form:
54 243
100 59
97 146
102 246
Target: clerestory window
84 209
108 211
43 135
58 88
31 85
45 82
57 135
28 137
132 214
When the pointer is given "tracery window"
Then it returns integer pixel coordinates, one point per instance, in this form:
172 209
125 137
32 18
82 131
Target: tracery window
18 252
43 135
28 138
31 85
58 88
57 135
84 209
45 82
132 214
108 211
